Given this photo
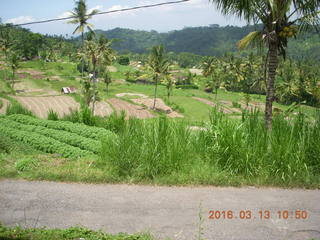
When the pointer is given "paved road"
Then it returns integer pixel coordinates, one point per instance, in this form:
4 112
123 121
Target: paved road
164 211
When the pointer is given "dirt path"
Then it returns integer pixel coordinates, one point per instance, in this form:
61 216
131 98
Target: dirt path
131 95
164 211
5 103
160 106
102 109
41 105
225 106
130 109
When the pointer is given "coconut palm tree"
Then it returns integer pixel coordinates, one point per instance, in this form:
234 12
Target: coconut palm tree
210 68
279 19
80 17
14 64
97 52
159 65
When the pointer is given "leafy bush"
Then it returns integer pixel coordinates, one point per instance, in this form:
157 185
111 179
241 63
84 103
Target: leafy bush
124 60
53 115
5 143
1 103
25 164
191 86
236 105
77 128
62 136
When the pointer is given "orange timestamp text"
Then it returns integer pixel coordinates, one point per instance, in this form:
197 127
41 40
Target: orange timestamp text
260 214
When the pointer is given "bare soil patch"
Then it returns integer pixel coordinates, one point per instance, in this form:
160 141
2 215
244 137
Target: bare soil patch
34 73
130 109
160 106
196 71
131 95
102 109
225 107
41 105
5 104
112 69
253 105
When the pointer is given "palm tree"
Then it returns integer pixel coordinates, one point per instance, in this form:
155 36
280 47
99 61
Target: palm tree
159 66
98 52
210 69
80 17
13 62
279 24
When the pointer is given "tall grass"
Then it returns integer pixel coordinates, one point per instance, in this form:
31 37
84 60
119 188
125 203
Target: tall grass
16 108
228 151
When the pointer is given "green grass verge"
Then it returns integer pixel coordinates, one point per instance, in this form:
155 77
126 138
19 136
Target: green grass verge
163 151
18 233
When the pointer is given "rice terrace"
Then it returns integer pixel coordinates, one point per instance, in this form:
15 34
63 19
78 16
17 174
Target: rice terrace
116 125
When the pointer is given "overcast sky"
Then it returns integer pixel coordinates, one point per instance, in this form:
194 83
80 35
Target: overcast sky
162 19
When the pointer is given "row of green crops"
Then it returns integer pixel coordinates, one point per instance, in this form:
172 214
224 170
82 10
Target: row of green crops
77 128
43 143
62 136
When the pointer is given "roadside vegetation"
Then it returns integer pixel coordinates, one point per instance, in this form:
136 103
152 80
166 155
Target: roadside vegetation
237 118
7 233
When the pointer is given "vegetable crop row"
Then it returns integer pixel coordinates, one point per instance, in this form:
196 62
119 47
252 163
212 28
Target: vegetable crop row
42 143
77 128
61 136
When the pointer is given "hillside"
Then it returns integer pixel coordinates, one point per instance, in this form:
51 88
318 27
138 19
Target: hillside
211 40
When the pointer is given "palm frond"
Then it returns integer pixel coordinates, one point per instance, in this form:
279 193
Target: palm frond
253 38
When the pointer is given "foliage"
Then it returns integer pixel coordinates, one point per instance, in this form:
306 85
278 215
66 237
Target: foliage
211 40
25 164
16 108
45 144
64 234
83 130
62 136
52 115
124 60
163 148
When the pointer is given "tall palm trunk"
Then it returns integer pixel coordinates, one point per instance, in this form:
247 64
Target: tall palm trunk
155 92
272 67
94 88
82 61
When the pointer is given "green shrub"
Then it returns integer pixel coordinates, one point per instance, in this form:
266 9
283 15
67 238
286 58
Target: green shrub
124 60
1 103
5 143
53 115
25 164
236 105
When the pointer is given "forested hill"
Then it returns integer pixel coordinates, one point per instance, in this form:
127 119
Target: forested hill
210 40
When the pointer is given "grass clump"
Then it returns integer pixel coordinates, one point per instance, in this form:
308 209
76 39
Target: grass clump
52 115
16 108
225 152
